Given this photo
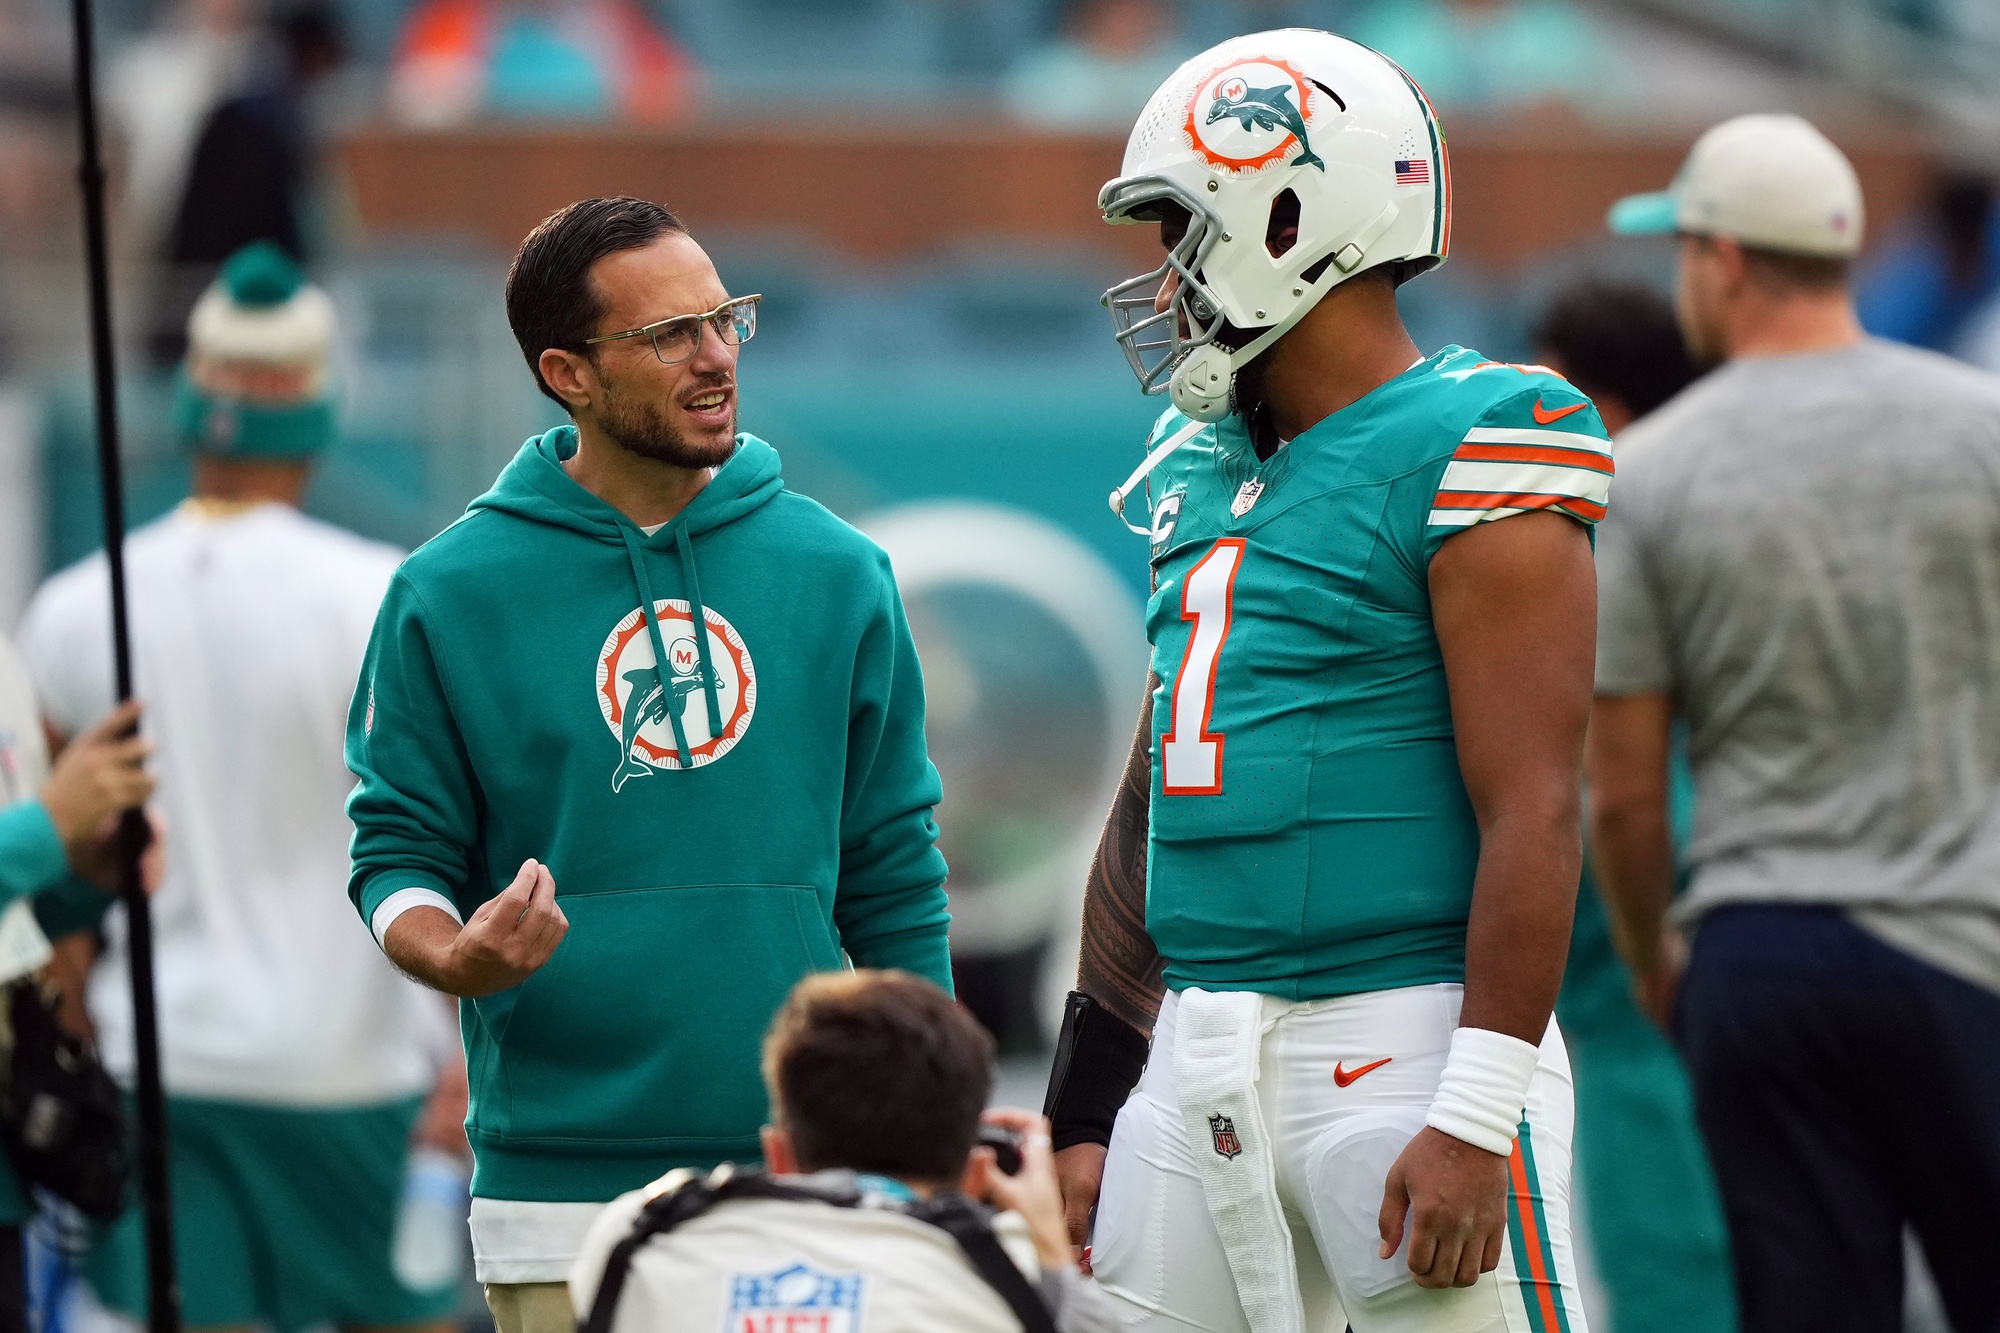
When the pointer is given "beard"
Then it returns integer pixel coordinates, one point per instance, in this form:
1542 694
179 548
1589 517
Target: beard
641 428
1705 345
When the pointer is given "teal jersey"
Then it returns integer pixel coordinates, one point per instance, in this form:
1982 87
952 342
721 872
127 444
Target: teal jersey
1311 835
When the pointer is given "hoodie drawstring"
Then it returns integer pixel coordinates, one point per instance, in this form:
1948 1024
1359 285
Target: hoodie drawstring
660 668
699 614
685 545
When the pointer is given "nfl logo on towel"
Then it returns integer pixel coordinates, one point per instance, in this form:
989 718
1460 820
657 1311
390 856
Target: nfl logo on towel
799 1299
1223 1130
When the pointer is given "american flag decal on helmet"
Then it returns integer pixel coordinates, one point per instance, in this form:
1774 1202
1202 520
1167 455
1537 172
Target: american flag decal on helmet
1413 171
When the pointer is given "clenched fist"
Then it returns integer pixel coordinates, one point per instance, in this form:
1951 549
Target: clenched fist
506 941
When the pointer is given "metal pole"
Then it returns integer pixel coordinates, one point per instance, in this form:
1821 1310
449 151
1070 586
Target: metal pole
162 1285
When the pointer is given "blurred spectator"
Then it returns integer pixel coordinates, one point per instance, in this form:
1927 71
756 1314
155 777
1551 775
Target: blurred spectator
554 59
252 172
1655 1220
1098 74
1931 17
1619 343
876 1080
1800 564
50 824
160 93
37 179
1928 285
297 1062
1210 24
34 59
1488 53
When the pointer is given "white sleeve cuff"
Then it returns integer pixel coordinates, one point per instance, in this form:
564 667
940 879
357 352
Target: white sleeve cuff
401 901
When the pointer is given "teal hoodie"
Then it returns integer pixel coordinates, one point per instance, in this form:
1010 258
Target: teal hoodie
715 833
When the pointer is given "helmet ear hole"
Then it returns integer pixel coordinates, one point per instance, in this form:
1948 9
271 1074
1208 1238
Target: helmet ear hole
1281 233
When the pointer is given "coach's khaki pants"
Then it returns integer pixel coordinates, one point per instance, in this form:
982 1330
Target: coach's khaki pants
530 1307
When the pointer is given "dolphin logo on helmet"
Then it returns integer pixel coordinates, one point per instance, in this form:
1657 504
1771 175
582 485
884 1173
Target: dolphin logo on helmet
1265 109
1204 149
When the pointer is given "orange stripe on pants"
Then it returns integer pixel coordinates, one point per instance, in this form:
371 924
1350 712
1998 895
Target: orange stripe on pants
1531 1240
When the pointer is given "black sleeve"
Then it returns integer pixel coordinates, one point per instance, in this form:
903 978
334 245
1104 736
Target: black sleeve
1099 1058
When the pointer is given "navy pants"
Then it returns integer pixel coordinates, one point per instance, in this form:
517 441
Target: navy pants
1845 1089
13 1282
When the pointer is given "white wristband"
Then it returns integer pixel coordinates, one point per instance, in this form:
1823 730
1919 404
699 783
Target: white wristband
1484 1088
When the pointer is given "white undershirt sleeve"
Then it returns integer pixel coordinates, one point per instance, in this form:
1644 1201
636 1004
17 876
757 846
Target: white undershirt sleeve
401 901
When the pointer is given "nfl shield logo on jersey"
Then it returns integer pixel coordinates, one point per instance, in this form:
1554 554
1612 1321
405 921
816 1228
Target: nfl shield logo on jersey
1223 1130
798 1299
1246 496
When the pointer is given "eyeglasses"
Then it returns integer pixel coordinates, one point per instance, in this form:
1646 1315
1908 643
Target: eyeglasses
677 339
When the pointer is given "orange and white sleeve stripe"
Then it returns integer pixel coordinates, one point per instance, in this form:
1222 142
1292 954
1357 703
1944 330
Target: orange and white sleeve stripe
1501 470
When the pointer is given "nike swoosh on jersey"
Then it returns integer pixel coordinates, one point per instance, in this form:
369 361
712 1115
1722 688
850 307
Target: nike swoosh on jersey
1343 1077
1543 416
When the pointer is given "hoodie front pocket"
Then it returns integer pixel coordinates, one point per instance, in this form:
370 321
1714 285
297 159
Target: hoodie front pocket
648 1022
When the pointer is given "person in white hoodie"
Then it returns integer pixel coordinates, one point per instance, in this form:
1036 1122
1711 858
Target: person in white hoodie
297 1062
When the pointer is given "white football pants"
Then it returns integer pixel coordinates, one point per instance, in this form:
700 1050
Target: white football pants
1157 1247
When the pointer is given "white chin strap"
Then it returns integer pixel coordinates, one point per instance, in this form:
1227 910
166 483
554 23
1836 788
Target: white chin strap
1204 384
1153 460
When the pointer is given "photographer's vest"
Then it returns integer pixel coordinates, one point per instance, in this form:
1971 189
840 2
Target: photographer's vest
744 1252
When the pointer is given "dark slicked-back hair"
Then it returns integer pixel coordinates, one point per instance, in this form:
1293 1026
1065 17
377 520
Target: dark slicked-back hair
1617 338
878 1072
550 302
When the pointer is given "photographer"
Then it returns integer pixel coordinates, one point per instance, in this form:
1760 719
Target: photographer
876 1081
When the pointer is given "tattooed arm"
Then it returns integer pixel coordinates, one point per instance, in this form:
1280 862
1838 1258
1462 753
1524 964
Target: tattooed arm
1118 966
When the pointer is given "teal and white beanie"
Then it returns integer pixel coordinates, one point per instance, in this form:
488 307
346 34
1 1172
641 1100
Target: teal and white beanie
255 382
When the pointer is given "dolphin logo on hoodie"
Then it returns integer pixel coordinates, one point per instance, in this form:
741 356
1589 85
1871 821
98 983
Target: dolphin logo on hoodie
651 712
652 701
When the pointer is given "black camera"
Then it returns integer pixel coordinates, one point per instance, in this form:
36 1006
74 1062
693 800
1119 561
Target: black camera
1006 1146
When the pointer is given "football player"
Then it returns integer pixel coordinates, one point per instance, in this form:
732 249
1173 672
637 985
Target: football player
1335 889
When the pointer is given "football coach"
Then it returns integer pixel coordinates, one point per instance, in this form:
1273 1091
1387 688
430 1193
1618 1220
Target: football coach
640 743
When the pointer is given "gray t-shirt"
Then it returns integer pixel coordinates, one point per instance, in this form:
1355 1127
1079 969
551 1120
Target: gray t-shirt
1804 551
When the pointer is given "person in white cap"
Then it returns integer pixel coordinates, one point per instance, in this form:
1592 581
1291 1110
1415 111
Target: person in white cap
297 1061
1805 566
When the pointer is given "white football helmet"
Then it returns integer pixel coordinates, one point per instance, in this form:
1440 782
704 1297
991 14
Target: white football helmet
1247 137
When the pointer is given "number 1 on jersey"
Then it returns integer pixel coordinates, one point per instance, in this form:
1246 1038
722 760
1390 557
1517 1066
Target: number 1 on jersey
1190 754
